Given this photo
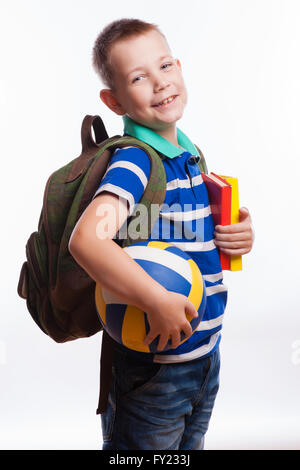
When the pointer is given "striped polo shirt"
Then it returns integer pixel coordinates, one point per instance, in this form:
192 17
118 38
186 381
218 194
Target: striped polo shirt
185 220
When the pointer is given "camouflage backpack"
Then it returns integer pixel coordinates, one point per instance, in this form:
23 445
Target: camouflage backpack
58 292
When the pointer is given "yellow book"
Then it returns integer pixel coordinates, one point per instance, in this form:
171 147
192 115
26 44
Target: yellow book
235 261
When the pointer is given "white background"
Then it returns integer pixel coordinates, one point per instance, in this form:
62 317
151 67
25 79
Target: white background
240 60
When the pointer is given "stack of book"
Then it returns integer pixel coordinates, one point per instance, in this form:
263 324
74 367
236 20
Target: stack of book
224 201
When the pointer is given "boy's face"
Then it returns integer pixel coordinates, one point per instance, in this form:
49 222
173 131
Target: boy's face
145 74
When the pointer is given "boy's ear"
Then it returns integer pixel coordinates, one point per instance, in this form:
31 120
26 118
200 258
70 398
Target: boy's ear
109 99
178 63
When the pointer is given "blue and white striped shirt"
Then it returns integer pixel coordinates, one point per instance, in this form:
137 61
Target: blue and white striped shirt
185 218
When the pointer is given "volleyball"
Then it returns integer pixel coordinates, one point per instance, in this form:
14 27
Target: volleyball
175 270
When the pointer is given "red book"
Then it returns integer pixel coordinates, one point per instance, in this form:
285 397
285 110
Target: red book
219 193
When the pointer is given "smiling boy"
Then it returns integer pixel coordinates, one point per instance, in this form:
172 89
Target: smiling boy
162 400
151 91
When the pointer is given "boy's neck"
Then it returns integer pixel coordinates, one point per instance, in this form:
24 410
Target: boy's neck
169 134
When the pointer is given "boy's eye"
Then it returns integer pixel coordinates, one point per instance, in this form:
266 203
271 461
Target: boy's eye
137 79
164 66
140 77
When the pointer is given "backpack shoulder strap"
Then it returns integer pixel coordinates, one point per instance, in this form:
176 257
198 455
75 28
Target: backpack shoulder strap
154 194
202 163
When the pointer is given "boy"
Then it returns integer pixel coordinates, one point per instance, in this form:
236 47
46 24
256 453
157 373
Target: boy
163 400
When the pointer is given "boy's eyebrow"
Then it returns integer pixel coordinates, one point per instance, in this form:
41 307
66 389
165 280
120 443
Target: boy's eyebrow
140 66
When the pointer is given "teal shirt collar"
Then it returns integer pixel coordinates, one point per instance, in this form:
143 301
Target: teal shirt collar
158 142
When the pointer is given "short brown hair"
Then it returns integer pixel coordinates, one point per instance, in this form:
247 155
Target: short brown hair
113 32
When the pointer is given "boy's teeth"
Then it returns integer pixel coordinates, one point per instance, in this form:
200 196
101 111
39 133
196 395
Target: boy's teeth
167 100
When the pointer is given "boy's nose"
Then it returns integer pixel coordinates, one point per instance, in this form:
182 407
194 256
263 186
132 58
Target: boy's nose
160 83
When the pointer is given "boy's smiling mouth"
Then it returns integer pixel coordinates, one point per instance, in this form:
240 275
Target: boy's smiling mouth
164 103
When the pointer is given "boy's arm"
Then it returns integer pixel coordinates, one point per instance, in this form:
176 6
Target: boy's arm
109 265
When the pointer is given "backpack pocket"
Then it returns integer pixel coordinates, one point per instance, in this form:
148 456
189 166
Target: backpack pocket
23 281
36 258
28 290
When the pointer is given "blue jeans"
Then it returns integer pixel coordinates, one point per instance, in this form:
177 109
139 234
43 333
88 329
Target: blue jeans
160 406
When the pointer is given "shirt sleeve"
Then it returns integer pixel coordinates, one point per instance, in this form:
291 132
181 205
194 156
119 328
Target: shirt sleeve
127 175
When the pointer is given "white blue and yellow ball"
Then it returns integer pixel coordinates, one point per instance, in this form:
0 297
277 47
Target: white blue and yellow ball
172 268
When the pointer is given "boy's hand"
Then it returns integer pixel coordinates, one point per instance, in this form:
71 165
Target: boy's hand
169 318
236 239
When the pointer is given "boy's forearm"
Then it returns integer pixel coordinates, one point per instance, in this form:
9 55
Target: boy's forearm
110 266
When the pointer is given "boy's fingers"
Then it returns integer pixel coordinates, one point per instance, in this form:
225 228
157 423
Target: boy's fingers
163 339
239 236
149 338
236 252
162 342
187 329
233 244
244 213
233 228
190 310
175 337
175 340
243 224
